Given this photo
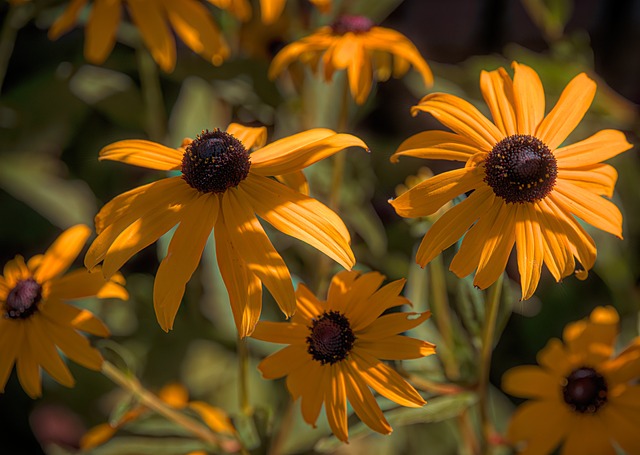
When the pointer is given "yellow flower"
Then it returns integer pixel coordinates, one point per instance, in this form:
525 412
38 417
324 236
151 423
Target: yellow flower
527 190
335 347
222 187
177 397
190 20
581 396
354 44
36 321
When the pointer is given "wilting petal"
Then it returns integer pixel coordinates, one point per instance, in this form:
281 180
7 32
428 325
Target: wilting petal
528 95
437 145
497 90
183 256
155 33
62 252
144 154
601 146
101 28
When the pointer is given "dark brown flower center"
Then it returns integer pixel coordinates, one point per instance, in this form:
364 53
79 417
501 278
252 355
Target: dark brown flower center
521 169
214 162
353 24
23 299
585 390
331 338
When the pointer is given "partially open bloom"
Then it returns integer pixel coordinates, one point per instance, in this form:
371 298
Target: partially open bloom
526 189
355 44
156 20
176 396
222 187
581 395
36 320
336 348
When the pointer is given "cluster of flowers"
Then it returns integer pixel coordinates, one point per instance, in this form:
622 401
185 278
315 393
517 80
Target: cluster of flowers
523 187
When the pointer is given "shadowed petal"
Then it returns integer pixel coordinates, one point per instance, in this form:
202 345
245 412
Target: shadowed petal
379 301
271 10
308 306
11 340
312 396
281 332
392 324
80 284
155 34
100 31
67 19
75 346
80 319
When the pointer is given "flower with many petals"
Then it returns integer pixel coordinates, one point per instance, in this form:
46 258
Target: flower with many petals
336 346
581 396
222 188
36 320
155 20
355 44
526 189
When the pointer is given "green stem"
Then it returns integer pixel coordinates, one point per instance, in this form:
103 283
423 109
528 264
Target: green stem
155 117
243 377
488 335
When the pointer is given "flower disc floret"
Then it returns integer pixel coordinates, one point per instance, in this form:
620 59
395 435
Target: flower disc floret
331 338
22 300
354 24
214 162
585 391
521 168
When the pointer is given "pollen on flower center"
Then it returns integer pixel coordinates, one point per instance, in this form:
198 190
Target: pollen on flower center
353 24
585 390
214 162
331 338
521 169
22 301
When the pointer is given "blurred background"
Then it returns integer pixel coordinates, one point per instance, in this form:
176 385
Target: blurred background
57 111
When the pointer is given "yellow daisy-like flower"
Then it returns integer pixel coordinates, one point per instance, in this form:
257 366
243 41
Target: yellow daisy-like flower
355 44
581 396
336 346
222 188
177 397
527 190
36 321
155 20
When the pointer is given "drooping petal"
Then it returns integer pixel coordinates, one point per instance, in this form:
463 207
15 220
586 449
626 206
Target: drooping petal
528 99
296 152
497 91
251 137
568 111
427 197
461 117
437 145
281 332
283 361
529 247
557 252
183 256
601 146
453 224
248 238
144 154
529 381
335 400
299 216
62 252
44 349
396 347
598 178
101 28
363 402
155 33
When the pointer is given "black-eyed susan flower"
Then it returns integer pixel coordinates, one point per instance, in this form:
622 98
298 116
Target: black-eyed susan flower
337 347
156 20
36 320
355 44
177 397
581 396
222 188
527 189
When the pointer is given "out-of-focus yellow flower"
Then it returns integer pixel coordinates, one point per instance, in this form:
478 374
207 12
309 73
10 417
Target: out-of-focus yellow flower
355 44
155 20
527 190
36 321
176 396
581 396
336 346
222 188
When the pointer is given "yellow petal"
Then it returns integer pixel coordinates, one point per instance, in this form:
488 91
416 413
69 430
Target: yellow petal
28 370
296 181
183 256
96 436
568 111
428 196
280 363
41 341
296 152
80 284
340 284
379 301
281 332
11 339
75 346
392 324
528 99
299 216
312 396
557 253
62 252
355 300
144 154
530 249
308 306
360 73
68 315
529 381
101 29
250 240
597 178
601 146
461 117
67 20
497 91
335 402
542 425
251 137
271 10
363 402
396 347
156 35
215 418
437 145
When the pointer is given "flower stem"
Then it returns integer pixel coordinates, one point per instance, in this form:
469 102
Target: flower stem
493 305
151 401
243 378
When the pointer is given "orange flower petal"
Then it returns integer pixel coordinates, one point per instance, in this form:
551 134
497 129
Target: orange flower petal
587 436
282 362
529 381
621 426
80 284
296 181
378 302
542 425
601 146
437 145
75 346
363 402
392 324
67 20
28 370
530 248
101 29
352 302
11 339
597 178
528 99
497 91
308 306
44 350
144 154
215 418
251 137
396 347
281 332
340 285
62 252
360 73
312 396
271 10
155 33
335 402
